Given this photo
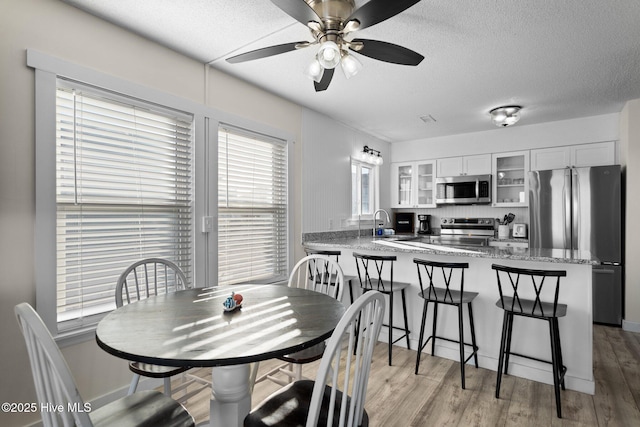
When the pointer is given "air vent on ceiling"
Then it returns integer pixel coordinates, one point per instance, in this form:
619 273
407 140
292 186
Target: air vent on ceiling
428 118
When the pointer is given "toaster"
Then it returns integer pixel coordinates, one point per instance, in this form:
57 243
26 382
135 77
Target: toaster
520 230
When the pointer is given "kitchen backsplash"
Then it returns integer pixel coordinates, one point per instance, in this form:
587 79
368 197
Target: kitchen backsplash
455 211
468 211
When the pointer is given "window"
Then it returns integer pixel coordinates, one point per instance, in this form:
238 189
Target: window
252 207
363 189
123 192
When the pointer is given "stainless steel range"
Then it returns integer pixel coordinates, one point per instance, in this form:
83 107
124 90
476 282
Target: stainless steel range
465 231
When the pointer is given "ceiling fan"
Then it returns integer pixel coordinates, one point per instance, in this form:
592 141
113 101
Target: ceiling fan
330 21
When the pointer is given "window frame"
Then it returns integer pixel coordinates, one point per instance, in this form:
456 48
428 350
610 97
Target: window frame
374 189
205 175
47 70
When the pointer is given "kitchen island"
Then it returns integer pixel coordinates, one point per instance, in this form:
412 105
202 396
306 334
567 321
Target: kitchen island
530 336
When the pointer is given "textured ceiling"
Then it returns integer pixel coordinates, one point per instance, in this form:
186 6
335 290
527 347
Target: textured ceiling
559 59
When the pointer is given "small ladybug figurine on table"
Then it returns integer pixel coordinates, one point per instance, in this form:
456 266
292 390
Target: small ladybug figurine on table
232 302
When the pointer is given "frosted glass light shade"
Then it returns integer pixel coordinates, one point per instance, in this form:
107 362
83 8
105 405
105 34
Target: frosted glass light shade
314 70
329 55
350 65
505 116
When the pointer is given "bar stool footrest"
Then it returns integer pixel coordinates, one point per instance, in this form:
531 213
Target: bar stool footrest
474 352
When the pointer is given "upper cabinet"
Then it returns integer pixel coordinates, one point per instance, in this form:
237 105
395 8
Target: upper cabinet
510 179
412 184
597 154
467 165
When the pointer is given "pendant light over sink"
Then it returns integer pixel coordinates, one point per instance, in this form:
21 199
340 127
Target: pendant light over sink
330 23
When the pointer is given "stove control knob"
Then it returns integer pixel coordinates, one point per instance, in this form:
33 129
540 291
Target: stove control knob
444 220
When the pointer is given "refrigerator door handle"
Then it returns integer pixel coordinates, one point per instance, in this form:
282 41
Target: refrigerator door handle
566 209
575 209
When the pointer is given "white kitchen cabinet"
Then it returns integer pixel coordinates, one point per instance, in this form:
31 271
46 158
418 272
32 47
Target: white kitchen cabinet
596 154
412 184
510 179
466 165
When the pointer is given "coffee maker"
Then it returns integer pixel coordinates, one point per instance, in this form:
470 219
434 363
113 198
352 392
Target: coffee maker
424 224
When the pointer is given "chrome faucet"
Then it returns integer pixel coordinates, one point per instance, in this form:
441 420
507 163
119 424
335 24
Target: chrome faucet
374 219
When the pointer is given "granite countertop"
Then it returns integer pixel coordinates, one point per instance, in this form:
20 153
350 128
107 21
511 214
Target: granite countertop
368 243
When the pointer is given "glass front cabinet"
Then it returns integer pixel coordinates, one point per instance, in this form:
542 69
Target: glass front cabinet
413 184
510 179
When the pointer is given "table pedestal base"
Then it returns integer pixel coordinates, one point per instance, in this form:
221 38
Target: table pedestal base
230 395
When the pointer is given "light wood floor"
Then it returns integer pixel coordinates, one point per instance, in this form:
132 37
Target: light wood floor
397 397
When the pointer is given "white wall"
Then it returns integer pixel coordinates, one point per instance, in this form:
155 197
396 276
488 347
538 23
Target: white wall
57 29
630 160
519 137
326 177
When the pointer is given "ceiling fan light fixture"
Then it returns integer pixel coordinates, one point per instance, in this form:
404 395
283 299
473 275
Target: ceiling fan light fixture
329 55
314 70
350 65
505 116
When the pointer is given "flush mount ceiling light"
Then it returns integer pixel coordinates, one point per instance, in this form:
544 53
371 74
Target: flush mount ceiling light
330 22
370 155
505 116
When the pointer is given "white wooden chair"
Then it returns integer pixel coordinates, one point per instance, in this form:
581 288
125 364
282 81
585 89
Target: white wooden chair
318 273
142 279
338 394
55 387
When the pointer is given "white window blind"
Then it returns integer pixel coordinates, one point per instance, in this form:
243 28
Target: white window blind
123 192
252 207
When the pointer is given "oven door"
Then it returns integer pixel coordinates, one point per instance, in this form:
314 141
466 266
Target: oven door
466 189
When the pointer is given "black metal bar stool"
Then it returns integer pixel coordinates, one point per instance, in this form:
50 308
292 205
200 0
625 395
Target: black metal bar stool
514 305
448 296
335 253
371 268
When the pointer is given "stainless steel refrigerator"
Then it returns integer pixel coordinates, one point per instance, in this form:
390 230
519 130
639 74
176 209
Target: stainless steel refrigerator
580 208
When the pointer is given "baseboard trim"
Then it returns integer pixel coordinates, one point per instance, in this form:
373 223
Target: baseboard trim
630 326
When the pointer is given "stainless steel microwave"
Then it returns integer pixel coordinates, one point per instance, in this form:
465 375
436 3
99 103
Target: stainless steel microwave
463 190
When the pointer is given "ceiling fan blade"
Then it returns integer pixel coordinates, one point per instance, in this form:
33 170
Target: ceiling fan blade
376 11
299 10
387 52
265 51
326 79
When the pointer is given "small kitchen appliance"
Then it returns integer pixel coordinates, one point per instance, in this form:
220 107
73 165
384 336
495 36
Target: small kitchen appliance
424 224
404 222
520 230
463 190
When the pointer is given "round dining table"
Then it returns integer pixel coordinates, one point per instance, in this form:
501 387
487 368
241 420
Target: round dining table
192 328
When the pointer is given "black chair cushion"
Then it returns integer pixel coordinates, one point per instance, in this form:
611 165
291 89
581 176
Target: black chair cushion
142 409
453 297
289 407
385 286
307 355
530 308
